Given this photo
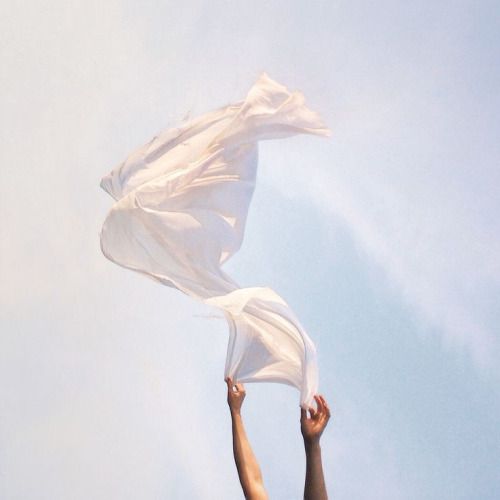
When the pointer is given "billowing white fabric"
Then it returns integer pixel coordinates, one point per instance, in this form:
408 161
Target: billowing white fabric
182 203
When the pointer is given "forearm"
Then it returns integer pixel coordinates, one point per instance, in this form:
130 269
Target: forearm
315 488
246 463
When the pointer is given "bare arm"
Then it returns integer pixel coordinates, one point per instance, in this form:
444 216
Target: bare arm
246 463
312 427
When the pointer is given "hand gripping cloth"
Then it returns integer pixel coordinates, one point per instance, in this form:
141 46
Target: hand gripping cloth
181 206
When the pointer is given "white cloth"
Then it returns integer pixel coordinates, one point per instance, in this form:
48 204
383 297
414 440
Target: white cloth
180 212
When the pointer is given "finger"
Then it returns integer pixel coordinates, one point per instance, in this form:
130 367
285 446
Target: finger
303 414
327 408
328 412
229 382
325 404
240 388
319 403
312 412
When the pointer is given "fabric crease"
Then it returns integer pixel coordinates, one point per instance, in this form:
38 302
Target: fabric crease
181 206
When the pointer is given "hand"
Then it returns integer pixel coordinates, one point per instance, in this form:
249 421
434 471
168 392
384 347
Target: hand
235 395
312 427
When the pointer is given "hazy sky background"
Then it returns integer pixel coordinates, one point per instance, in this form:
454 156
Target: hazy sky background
384 239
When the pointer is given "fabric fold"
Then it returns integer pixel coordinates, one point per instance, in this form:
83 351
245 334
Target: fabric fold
181 206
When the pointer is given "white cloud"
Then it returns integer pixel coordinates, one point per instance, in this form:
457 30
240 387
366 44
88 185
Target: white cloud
413 181
439 264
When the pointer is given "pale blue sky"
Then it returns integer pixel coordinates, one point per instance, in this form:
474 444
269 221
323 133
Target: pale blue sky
384 239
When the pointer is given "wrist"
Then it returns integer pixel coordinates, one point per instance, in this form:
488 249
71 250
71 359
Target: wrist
312 444
235 412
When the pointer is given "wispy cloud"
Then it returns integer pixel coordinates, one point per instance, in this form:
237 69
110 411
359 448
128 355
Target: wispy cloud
440 265
413 181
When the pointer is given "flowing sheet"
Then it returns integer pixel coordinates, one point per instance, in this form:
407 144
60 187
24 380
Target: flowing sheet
181 206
